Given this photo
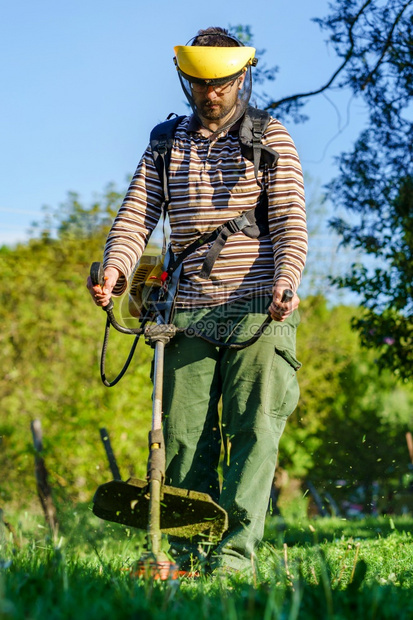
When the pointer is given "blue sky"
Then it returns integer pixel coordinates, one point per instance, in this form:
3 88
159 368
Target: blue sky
84 81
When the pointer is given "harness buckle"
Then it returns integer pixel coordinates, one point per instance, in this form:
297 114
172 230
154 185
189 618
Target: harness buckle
256 132
238 224
233 226
161 147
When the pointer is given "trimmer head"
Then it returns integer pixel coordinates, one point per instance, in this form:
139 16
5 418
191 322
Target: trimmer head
183 513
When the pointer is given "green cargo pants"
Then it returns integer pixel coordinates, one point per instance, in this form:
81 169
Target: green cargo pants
259 391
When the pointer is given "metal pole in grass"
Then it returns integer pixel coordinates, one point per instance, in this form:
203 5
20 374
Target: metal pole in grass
409 440
11 529
355 562
104 435
43 487
317 498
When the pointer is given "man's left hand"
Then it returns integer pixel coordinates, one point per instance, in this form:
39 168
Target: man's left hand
278 309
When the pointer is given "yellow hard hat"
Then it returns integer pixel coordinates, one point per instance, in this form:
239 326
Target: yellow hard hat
213 63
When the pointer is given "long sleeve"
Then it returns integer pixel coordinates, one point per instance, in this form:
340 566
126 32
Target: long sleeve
286 208
209 184
135 221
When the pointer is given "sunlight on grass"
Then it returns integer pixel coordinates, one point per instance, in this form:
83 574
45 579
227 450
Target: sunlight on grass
325 568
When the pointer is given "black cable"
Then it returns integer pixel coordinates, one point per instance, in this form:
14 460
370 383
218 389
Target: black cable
97 278
103 358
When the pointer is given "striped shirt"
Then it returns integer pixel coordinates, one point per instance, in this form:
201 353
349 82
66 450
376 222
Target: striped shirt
210 183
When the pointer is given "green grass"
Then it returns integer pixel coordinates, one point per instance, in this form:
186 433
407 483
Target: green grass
326 568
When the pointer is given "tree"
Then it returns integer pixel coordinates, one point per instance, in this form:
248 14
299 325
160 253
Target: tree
375 181
351 420
323 359
49 356
362 440
50 347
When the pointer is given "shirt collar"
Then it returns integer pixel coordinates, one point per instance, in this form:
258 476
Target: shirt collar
195 126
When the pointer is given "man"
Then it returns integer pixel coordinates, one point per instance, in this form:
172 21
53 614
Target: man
211 182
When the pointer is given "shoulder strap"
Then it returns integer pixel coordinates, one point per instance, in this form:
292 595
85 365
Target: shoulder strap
254 223
252 129
161 142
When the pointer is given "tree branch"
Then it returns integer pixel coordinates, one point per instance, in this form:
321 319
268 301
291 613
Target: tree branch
388 43
347 58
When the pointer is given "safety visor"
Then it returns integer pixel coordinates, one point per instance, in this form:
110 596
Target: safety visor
213 65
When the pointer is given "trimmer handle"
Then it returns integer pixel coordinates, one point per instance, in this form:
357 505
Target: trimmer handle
98 278
97 274
287 295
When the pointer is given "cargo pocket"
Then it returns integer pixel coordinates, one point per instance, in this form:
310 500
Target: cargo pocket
283 391
289 358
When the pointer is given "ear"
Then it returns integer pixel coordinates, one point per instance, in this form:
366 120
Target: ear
241 81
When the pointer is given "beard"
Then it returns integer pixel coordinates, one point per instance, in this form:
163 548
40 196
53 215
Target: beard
217 109
214 111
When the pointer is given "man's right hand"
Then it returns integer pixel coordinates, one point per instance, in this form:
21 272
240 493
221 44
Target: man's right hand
101 295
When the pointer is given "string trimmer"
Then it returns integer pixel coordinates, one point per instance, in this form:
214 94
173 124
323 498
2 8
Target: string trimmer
151 504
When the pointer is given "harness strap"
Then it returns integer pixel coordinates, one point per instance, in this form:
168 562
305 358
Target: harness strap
254 222
246 223
162 153
256 144
161 140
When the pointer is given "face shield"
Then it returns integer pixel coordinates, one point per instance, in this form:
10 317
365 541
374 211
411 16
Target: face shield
224 69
